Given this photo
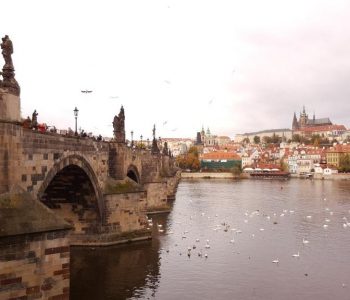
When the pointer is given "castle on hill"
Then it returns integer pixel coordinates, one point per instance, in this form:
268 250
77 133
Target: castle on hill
305 122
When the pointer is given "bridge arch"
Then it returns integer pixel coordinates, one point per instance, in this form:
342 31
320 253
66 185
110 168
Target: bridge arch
72 181
133 173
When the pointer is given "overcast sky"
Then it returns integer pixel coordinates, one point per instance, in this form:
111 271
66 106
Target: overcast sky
232 66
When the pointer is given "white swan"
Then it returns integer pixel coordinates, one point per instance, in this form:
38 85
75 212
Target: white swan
296 255
276 261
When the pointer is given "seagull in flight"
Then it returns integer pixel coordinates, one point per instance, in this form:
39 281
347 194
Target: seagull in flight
86 91
165 122
211 100
167 81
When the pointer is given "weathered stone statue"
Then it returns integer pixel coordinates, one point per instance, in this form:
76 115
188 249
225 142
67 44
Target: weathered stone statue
7 50
154 149
154 131
165 149
34 120
119 126
8 72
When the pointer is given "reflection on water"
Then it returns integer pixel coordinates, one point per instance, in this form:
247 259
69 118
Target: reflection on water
117 272
247 225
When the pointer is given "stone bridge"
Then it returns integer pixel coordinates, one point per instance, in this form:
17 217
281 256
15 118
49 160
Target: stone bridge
102 189
97 186
61 190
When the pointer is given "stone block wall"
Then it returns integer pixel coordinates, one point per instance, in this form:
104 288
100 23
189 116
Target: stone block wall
172 183
126 212
156 196
9 106
35 266
150 168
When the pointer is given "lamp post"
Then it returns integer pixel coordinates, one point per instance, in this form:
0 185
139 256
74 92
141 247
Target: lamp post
132 138
141 139
147 143
76 119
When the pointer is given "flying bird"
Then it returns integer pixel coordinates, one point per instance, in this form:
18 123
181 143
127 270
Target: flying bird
211 101
114 97
86 91
165 122
167 81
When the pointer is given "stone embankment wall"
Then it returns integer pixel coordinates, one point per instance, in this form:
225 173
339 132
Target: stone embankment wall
338 176
35 266
207 175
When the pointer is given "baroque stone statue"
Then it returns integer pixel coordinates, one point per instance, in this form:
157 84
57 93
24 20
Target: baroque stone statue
8 72
119 126
7 50
165 149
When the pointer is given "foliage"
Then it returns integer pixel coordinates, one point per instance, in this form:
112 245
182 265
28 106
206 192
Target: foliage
236 170
11 200
315 140
284 166
256 139
246 140
190 160
121 187
274 139
344 163
296 138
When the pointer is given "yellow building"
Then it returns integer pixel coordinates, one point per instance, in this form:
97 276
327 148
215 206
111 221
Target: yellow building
334 154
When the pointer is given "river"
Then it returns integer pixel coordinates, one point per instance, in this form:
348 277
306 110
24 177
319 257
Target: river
249 225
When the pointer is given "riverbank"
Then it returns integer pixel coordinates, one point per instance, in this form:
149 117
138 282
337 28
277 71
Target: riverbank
213 175
338 176
228 175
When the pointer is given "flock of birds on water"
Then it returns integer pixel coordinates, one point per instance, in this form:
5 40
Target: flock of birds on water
226 227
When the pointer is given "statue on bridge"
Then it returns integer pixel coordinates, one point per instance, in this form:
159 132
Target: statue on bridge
119 126
165 149
7 50
34 124
154 149
8 72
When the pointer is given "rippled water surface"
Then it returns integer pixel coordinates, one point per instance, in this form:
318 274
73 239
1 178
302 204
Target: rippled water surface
249 224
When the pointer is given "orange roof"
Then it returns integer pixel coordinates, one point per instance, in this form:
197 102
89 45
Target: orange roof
339 149
322 128
220 155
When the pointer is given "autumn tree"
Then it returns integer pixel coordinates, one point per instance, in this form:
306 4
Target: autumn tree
190 160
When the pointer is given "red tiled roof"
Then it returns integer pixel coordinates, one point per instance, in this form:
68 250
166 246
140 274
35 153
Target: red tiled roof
322 128
339 149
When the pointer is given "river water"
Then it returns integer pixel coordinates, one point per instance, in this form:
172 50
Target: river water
249 224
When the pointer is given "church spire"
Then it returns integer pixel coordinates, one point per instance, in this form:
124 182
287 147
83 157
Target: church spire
295 124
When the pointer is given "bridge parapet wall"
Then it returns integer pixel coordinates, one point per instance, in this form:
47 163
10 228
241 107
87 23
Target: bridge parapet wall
27 156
